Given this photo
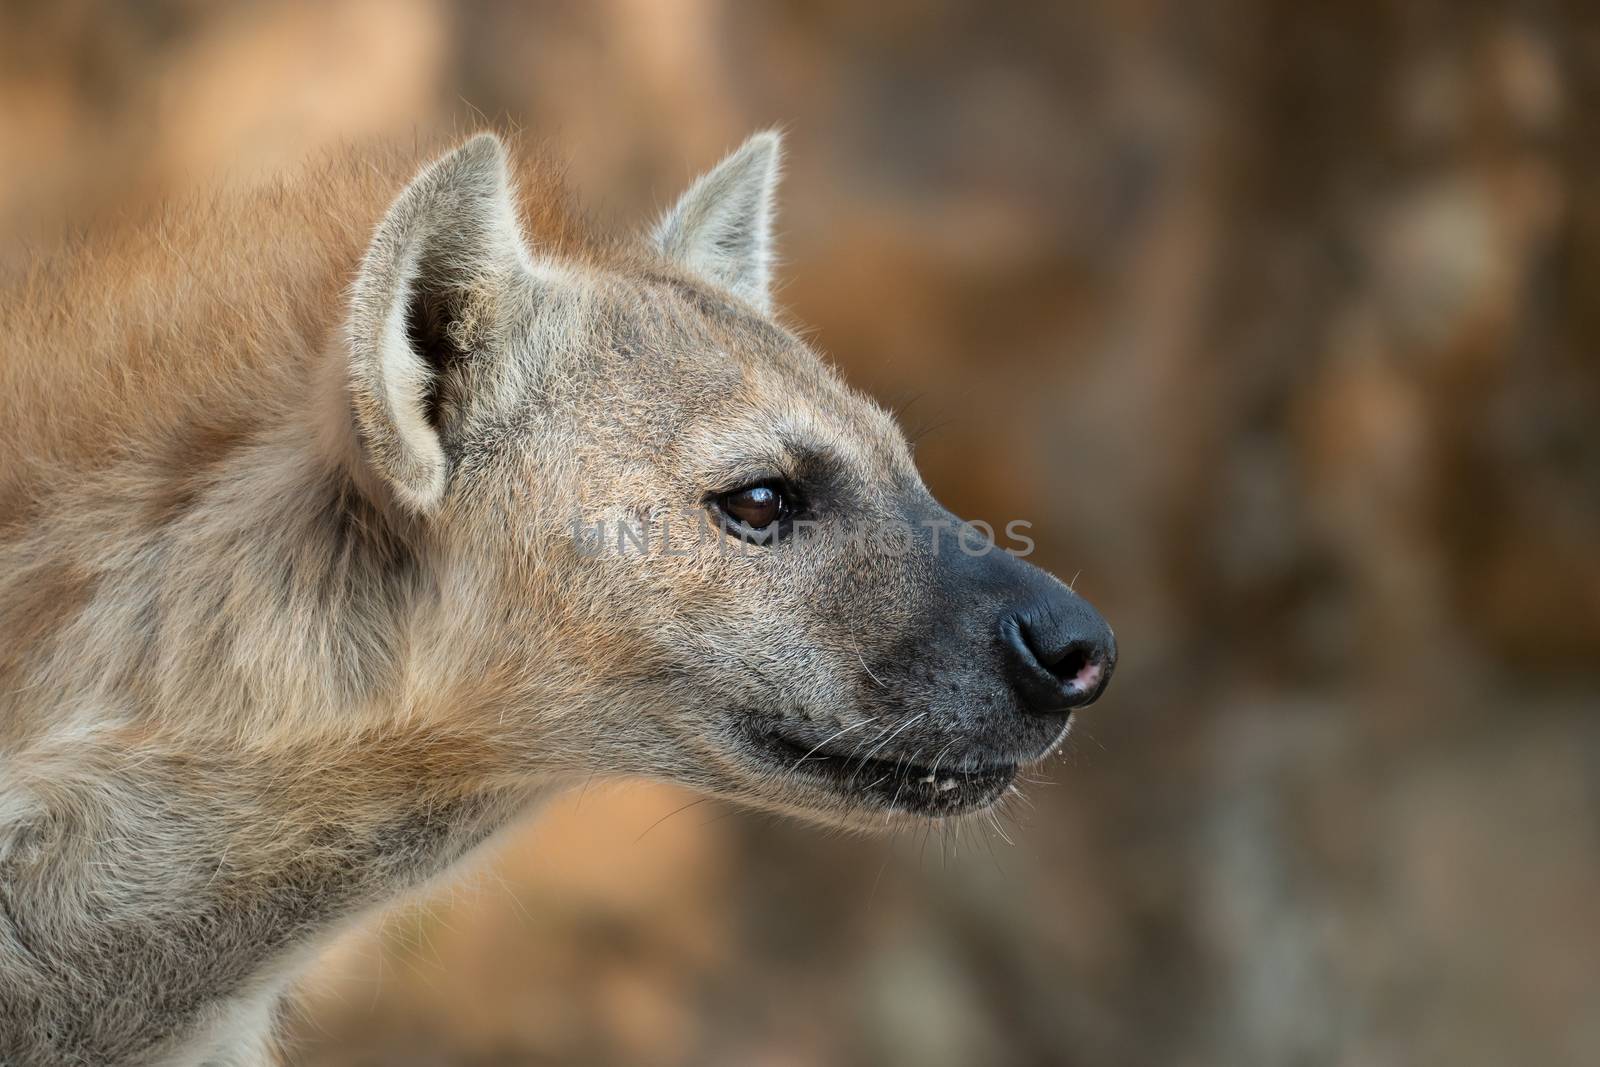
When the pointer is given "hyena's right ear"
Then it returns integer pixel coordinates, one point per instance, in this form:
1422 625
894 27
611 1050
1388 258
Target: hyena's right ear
419 306
722 227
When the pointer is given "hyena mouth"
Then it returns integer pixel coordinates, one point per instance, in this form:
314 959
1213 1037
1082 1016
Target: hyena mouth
949 786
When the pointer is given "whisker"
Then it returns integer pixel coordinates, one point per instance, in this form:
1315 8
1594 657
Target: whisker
826 740
994 821
863 661
670 814
903 726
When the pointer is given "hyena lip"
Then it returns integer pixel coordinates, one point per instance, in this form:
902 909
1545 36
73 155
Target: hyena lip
950 788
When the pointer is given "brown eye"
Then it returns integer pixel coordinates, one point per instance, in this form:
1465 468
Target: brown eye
757 507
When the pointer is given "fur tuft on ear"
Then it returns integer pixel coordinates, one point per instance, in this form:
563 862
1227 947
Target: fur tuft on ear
449 239
721 228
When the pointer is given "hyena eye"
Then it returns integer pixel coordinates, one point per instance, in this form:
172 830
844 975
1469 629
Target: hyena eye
756 509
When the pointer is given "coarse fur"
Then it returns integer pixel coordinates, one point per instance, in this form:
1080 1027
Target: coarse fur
292 611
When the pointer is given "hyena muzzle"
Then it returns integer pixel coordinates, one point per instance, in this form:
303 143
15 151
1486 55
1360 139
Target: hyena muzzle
535 509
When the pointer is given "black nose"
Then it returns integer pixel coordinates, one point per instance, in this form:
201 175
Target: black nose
1061 653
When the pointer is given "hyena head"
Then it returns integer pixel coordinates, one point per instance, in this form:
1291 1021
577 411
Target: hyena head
668 538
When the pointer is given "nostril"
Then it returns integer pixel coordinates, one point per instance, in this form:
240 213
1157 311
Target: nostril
1079 668
1061 660
1070 664
1085 684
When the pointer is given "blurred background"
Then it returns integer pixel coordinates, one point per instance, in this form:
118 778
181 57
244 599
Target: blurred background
1279 321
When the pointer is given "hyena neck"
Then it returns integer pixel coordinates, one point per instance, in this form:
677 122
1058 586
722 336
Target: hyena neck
201 883
244 762
273 598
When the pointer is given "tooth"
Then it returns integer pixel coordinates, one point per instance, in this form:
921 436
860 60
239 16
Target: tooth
947 785
926 781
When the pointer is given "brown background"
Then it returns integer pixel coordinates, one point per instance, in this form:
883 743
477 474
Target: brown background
1278 321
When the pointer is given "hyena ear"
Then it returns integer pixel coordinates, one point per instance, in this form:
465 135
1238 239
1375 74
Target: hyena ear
420 307
722 227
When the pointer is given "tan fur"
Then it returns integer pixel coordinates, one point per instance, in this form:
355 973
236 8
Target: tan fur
292 618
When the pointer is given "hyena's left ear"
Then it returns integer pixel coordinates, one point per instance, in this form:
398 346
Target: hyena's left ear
421 309
722 227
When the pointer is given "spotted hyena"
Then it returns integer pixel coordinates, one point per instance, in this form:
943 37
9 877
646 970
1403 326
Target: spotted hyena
343 518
